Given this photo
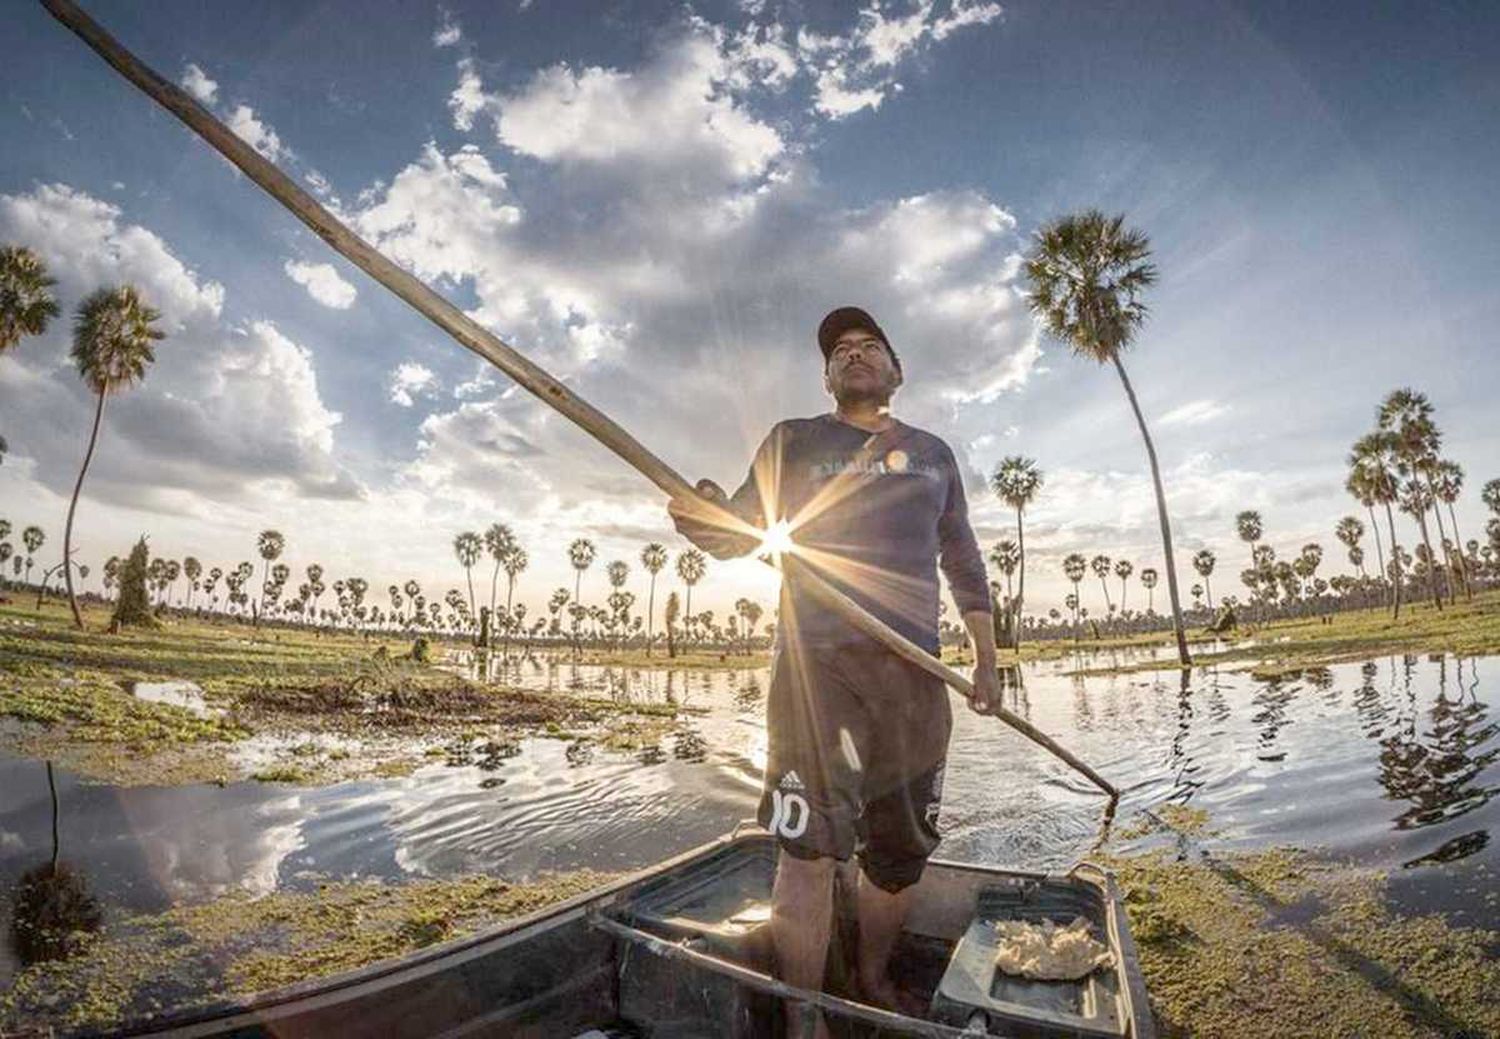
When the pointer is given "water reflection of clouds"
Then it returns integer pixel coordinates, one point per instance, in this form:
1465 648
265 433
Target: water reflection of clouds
221 850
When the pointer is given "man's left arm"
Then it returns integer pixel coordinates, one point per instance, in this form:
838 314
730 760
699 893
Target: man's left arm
963 565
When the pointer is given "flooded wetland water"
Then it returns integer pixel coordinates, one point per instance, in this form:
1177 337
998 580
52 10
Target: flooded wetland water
1389 764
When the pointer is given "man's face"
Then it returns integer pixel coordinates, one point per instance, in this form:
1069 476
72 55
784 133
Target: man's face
860 368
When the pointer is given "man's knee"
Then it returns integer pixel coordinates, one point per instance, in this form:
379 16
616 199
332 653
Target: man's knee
799 874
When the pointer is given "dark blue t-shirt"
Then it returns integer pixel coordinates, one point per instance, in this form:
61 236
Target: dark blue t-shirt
877 528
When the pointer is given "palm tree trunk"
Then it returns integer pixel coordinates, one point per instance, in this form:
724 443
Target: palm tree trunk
1379 553
1161 513
1390 523
469 577
1458 546
1020 600
72 506
1442 540
510 591
1209 589
1432 563
650 613
494 580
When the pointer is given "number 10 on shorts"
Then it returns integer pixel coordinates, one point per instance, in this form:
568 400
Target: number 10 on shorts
789 814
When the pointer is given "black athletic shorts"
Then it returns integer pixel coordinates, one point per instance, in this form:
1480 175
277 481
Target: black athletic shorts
857 742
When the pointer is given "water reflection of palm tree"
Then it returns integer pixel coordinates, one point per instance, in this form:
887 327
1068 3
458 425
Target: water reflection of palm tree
1435 770
52 908
1272 699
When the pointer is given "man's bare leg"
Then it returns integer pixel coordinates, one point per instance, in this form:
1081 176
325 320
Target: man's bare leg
801 918
881 915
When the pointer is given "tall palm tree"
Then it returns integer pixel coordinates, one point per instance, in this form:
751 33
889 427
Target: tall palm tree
1407 415
413 591
499 541
653 558
270 544
1123 569
1447 484
193 569
1148 582
516 561
1203 562
1373 474
691 566
112 336
1100 565
1087 274
33 538
1074 568
581 553
1250 529
468 548
26 303
1017 481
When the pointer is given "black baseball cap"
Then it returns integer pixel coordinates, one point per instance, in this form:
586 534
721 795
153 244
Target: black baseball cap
841 320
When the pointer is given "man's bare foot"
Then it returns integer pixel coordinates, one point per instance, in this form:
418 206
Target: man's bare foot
885 994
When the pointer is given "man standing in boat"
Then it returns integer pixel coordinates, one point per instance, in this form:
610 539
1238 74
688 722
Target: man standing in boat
857 735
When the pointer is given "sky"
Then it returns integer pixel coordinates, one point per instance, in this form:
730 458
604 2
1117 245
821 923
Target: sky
657 203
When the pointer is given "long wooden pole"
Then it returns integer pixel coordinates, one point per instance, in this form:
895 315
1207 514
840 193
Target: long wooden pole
486 344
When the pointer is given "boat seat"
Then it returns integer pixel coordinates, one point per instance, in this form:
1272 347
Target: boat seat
974 991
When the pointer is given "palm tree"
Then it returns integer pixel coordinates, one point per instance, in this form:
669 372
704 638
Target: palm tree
33 538
1490 495
1148 582
1372 474
1447 484
691 566
1100 565
270 544
499 542
1087 273
581 555
1017 481
1350 531
1250 528
1407 415
1006 557
26 303
1203 562
1074 568
516 561
1123 569
112 336
468 548
653 558
193 569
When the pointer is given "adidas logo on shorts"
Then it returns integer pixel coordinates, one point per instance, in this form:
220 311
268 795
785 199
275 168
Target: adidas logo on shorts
791 781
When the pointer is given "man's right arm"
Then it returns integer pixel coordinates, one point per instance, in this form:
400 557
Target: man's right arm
693 522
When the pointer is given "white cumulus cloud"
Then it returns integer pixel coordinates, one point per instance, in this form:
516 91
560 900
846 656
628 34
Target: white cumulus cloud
410 380
448 32
249 128
197 82
322 283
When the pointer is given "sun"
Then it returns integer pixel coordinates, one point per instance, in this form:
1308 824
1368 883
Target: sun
777 539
